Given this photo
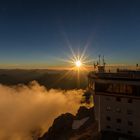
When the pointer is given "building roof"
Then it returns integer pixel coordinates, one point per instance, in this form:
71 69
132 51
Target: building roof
119 75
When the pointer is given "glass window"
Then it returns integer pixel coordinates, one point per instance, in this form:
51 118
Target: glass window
130 123
118 129
108 108
118 120
129 132
122 88
118 110
116 88
128 89
108 99
118 99
130 100
129 112
110 88
108 118
108 126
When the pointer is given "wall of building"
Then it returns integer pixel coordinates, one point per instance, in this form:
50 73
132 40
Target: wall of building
118 114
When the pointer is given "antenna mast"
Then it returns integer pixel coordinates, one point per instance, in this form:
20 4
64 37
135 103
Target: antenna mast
99 59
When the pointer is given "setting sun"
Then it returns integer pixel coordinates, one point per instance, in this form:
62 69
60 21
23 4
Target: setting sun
78 63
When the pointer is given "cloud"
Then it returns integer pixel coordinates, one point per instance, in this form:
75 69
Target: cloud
28 110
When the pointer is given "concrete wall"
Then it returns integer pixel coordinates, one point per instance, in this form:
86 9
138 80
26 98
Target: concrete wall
114 113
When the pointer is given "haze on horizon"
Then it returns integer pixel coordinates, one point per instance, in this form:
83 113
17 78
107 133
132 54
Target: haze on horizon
35 33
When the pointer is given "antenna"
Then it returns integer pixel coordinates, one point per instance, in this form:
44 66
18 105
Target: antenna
137 66
103 61
99 59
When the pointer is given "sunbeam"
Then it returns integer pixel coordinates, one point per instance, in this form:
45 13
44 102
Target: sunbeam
78 61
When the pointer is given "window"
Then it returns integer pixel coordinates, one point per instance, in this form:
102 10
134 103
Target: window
129 112
130 100
116 88
118 129
118 110
108 126
108 118
108 108
108 99
122 88
118 120
110 88
118 99
129 132
128 89
130 123
101 87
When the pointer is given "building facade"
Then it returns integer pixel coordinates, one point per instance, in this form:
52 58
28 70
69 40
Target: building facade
116 100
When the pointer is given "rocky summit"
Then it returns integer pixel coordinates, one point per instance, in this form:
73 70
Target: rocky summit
82 126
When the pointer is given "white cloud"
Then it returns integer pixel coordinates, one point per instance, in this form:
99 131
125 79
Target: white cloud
24 109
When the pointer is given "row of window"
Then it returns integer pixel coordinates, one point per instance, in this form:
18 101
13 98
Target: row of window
117 88
119 130
118 99
118 110
119 121
114 88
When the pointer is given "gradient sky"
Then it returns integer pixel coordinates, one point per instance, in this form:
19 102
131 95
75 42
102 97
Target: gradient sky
35 33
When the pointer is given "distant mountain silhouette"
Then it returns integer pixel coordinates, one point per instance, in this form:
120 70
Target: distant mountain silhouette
49 78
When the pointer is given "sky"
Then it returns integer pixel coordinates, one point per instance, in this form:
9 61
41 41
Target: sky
38 33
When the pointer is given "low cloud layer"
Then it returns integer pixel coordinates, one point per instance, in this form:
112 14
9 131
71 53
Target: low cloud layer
28 110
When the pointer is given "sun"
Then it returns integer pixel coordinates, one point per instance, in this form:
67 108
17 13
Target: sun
78 63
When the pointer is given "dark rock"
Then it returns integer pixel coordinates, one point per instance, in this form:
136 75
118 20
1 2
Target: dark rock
84 112
61 128
87 95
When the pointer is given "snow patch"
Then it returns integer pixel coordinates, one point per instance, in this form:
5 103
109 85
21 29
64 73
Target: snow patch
78 123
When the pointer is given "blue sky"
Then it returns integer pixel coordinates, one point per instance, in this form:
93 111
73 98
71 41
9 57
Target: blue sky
35 33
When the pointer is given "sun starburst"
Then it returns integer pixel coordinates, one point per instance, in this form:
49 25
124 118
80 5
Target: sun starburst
78 63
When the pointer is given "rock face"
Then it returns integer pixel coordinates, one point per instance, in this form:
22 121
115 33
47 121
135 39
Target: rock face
80 127
84 112
62 126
